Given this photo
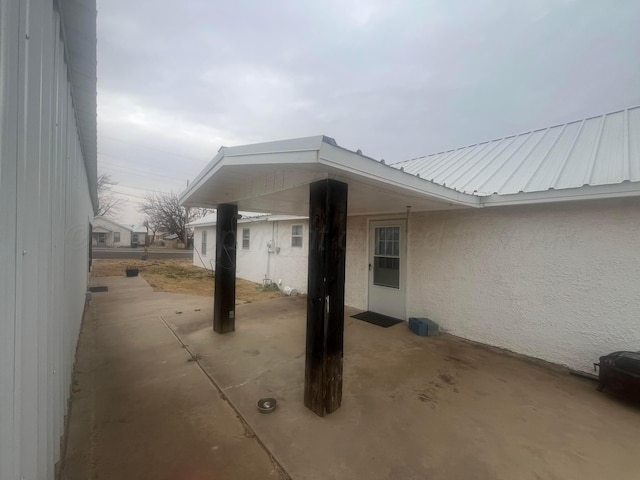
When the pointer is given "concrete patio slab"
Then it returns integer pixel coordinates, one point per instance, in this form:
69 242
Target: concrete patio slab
142 408
414 407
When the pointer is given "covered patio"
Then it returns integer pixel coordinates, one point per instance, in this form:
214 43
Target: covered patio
315 177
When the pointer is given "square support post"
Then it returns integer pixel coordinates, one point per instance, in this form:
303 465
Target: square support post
325 296
224 303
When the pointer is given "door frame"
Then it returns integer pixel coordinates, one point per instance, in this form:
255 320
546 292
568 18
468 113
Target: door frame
403 221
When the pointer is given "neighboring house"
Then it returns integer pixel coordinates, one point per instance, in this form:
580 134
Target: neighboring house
172 240
270 248
47 201
107 233
529 242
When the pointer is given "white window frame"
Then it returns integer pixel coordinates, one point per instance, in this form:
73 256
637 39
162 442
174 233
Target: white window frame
116 237
203 242
295 236
246 239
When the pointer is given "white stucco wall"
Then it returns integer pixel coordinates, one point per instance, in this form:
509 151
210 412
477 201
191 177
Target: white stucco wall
557 282
357 265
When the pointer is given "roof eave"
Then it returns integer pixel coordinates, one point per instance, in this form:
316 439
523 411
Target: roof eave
586 192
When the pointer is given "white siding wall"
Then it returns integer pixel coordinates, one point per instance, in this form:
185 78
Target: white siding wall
45 210
291 263
200 259
288 265
556 282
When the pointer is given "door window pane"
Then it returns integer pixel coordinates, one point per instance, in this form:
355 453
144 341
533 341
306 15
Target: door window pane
386 262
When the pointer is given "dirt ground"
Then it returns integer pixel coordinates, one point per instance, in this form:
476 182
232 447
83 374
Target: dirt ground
179 276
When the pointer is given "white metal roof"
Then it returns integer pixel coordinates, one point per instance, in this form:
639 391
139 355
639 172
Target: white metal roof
597 151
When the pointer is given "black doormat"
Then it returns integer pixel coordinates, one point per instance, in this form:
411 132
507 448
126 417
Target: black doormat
377 319
98 289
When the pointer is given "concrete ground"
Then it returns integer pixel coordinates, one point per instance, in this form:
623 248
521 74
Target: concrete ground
413 407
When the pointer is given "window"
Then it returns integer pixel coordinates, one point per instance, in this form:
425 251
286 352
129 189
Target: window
296 236
203 248
386 261
134 238
116 237
246 238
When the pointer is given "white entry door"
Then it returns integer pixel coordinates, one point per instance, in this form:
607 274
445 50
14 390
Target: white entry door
387 267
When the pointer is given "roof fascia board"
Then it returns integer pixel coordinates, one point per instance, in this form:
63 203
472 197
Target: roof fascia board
360 165
625 189
226 156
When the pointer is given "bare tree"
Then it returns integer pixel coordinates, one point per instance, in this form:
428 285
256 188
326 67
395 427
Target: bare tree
108 203
164 212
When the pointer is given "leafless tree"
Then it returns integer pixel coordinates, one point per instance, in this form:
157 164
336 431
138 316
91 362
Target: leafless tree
164 212
108 203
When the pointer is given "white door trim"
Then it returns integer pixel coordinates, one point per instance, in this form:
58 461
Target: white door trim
387 300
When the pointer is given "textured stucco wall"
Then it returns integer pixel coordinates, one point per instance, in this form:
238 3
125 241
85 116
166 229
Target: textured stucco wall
356 271
557 282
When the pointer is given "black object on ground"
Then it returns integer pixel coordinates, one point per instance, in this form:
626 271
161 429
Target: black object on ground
99 289
132 272
620 370
377 319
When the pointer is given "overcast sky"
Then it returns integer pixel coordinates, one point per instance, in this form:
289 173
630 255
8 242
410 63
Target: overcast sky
396 79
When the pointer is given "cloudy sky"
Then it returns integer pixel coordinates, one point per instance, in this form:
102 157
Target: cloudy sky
397 79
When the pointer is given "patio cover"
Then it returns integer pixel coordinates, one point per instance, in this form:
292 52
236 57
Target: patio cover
273 177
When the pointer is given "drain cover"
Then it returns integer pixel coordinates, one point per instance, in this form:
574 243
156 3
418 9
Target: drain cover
267 405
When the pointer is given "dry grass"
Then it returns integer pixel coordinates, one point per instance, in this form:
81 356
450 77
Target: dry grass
179 276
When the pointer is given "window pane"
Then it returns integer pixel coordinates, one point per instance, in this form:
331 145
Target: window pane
246 238
296 241
296 230
386 272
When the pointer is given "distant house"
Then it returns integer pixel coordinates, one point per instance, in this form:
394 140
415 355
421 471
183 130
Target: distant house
270 248
528 242
107 233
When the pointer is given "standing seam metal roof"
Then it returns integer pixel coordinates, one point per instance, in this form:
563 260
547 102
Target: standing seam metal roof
601 150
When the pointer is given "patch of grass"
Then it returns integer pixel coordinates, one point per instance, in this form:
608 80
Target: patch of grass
180 276
272 287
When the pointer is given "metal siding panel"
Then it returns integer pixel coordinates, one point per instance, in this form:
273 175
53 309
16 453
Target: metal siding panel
10 27
31 458
633 135
40 176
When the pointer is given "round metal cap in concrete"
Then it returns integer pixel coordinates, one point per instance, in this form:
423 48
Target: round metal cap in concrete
267 405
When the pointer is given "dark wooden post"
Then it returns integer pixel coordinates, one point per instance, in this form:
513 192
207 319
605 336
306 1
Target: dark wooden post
224 299
325 300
